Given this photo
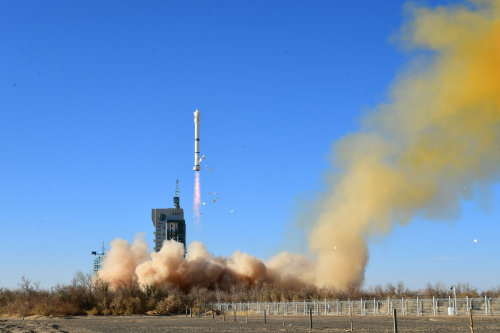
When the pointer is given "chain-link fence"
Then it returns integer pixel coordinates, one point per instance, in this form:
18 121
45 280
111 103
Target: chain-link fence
404 306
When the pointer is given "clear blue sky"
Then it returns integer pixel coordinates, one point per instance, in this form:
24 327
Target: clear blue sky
96 124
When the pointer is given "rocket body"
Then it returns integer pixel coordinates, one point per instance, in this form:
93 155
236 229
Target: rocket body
197 141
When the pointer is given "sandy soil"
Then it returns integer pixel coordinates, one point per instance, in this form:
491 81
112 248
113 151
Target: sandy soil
144 323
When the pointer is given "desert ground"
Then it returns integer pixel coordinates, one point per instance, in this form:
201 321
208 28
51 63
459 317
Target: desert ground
179 323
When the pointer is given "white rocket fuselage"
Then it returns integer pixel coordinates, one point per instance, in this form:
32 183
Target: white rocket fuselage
197 141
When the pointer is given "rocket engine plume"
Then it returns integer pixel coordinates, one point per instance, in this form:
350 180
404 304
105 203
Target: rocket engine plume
196 197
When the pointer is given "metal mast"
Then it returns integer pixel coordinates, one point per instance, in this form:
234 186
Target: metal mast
97 260
177 198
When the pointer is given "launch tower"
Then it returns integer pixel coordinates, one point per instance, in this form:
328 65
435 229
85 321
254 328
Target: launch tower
169 223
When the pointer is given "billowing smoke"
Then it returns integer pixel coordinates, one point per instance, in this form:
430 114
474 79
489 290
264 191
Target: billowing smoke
199 267
433 144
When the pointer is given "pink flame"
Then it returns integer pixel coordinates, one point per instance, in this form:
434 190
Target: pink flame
196 198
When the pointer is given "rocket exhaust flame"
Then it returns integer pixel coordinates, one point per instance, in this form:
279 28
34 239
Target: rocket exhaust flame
196 197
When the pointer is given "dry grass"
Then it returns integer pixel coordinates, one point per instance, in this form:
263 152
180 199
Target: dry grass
85 295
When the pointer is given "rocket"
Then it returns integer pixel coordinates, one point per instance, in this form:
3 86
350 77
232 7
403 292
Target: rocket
197 141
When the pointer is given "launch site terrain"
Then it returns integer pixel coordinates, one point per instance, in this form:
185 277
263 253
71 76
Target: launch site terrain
179 323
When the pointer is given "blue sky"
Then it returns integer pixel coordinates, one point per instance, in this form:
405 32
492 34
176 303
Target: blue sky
96 124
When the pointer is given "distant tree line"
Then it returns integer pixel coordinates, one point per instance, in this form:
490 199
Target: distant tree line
93 296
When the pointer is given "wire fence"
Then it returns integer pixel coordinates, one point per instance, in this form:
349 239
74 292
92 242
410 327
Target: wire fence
404 306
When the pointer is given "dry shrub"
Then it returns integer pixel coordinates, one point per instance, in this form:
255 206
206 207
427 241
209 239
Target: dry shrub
22 308
117 307
67 309
93 312
106 312
171 304
133 305
44 309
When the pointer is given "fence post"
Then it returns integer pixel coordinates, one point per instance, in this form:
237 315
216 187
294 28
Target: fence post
471 325
264 316
388 306
350 314
310 319
395 322
418 311
325 306
374 313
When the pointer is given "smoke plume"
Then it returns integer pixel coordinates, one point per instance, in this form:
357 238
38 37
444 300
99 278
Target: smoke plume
434 143
199 268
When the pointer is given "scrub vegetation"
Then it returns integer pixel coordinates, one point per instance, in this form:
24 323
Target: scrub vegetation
86 295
